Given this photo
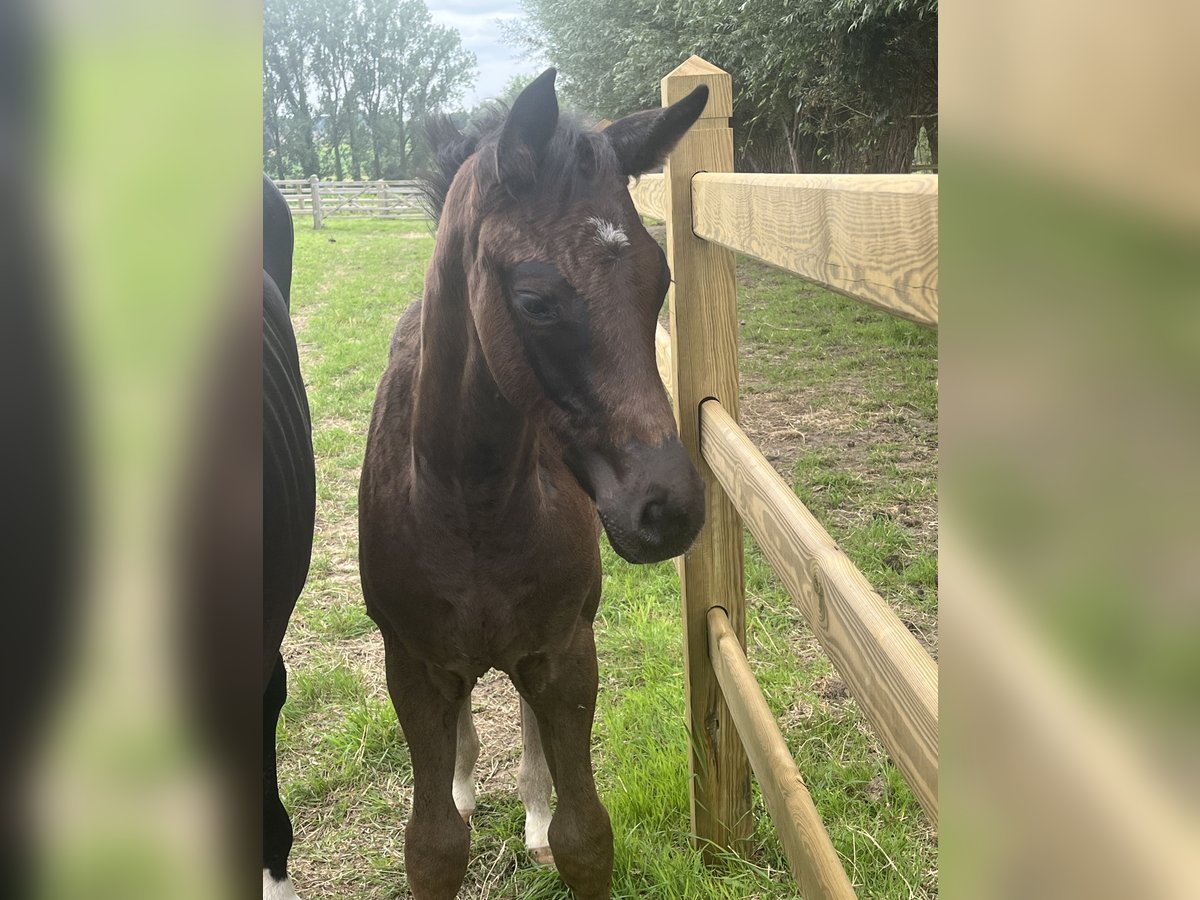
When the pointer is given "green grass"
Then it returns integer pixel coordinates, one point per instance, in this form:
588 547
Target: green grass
859 389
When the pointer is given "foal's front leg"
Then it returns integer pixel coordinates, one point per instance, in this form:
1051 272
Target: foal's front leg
562 693
437 841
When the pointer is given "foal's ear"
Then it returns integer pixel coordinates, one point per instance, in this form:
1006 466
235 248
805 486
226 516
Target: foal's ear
644 139
527 131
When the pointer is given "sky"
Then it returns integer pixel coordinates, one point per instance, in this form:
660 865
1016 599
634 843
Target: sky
478 21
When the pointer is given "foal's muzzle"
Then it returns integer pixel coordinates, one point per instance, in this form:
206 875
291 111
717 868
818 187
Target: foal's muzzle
653 508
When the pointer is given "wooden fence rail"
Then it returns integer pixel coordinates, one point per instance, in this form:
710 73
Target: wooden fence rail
873 238
870 237
805 841
352 199
889 673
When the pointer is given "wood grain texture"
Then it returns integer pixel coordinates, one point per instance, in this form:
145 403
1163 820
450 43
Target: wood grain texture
891 676
815 864
870 237
703 309
314 188
647 193
1050 744
662 358
689 75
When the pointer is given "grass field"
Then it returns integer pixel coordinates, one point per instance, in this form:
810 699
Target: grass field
841 399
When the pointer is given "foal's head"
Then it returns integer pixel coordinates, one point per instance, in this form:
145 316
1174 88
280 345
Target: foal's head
565 288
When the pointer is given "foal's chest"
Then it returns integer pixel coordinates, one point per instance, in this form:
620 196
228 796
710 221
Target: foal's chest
486 590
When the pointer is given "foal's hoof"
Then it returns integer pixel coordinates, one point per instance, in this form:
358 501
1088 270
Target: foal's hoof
542 856
467 815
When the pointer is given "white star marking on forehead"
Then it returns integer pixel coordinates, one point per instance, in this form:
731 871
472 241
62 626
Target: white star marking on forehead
608 234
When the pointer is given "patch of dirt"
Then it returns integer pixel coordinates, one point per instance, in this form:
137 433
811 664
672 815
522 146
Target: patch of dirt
832 690
496 709
785 425
795 717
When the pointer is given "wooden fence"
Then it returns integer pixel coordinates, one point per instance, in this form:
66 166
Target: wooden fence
352 199
872 238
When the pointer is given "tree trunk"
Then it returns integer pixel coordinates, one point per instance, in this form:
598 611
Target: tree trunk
273 128
402 151
377 170
355 162
893 146
280 167
791 147
310 160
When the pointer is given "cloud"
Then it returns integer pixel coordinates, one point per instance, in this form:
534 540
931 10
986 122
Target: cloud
478 23
476 7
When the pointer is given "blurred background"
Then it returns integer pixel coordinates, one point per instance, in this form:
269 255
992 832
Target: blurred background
1070 363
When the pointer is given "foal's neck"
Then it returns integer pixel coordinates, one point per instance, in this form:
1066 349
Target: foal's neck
464 432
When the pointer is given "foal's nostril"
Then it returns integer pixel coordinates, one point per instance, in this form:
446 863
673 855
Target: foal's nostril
652 516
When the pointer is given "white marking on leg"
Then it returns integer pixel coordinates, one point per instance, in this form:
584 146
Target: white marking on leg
609 235
533 783
277 890
537 825
466 753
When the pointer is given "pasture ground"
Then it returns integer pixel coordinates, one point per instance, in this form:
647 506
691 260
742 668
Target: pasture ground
843 401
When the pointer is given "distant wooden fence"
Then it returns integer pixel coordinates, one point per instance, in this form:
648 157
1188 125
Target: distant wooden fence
352 199
872 238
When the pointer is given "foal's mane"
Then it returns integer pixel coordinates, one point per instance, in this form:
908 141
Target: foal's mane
575 156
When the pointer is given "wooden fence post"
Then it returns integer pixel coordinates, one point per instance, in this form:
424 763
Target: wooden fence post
315 192
704 355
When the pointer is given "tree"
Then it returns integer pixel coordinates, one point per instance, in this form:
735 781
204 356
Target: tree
513 87
819 85
405 68
610 54
374 68
287 115
332 67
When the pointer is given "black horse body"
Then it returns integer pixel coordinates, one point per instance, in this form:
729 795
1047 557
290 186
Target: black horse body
289 501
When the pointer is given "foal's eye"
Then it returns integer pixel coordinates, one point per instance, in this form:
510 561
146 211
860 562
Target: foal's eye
535 308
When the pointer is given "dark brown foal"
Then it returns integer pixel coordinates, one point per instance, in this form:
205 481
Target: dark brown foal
521 398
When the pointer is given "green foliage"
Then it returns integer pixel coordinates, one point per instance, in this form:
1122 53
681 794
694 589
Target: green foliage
513 87
465 119
376 69
819 85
